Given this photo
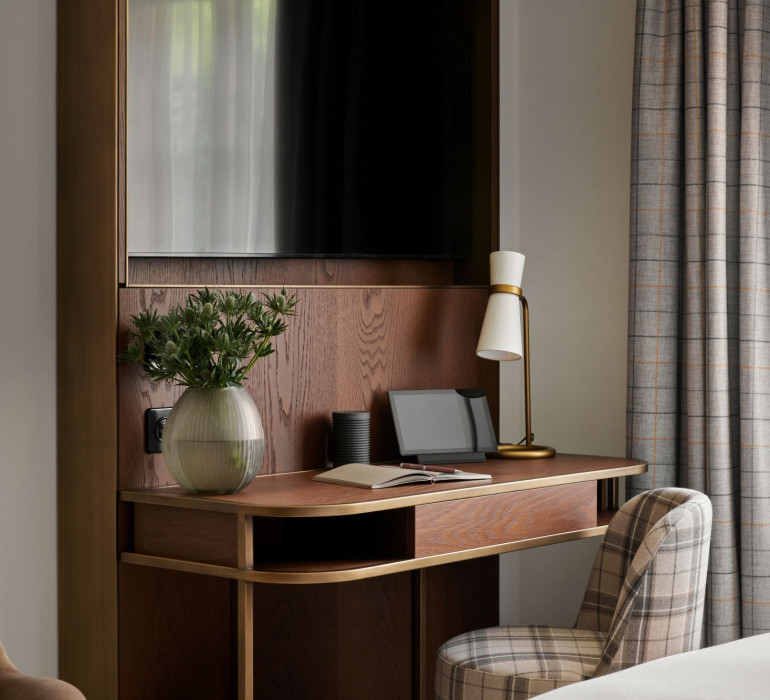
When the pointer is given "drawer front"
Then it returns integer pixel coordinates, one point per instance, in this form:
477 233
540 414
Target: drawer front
194 535
454 526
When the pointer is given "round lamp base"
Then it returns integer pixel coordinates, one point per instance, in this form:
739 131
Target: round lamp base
510 451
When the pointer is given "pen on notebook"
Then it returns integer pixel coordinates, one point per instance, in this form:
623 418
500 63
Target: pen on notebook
430 468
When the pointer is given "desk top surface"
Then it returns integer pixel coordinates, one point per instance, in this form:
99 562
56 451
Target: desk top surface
295 494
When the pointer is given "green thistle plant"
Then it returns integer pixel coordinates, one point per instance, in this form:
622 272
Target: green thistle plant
211 342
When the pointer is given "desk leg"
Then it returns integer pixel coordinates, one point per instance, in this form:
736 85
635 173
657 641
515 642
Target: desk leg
245 610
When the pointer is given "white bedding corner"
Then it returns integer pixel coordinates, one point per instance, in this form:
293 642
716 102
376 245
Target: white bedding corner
738 670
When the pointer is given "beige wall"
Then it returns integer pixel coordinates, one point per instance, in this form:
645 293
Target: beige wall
566 79
27 334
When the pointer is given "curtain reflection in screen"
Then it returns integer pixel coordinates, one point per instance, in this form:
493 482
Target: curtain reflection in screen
200 104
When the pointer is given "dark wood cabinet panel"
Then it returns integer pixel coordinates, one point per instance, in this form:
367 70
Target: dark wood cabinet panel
211 538
176 635
334 641
453 599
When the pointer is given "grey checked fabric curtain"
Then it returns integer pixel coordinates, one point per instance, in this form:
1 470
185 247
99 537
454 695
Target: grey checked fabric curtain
699 309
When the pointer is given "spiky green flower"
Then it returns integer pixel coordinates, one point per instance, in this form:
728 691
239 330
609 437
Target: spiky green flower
212 341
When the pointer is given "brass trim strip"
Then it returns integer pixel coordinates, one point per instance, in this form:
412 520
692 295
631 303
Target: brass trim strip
305 286
340 576
245 639
320 510
245 542
505 289
245 607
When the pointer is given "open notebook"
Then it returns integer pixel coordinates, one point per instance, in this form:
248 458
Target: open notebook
371 476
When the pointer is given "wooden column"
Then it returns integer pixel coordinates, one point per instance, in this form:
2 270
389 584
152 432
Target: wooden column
86 289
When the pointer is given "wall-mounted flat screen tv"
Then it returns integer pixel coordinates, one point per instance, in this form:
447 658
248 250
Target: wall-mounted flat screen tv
299 128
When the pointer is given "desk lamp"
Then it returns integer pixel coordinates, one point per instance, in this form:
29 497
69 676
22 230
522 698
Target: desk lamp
501 339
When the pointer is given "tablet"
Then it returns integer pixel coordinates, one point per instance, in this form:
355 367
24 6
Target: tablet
442 426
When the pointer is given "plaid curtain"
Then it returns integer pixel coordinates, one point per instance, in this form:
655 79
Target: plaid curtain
699 307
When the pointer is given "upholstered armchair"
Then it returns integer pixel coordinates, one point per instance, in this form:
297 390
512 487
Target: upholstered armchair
14 685
644 601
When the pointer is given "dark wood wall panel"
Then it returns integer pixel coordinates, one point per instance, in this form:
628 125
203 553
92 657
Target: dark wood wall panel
334 641
295 272
343 351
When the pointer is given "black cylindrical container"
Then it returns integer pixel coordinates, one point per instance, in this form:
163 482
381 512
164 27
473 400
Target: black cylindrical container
350 437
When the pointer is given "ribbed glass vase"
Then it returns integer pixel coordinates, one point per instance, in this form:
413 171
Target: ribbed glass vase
213 441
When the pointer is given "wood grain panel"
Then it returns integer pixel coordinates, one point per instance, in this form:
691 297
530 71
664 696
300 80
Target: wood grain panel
506 517
176 635
343 351
452 599
256 272
334 641
86 322
211 538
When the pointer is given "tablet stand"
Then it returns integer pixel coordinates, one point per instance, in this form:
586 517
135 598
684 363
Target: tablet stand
450 458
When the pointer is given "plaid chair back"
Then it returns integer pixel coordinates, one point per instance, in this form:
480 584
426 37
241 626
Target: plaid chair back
647 587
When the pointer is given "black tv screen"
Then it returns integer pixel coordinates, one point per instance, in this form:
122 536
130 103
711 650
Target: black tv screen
299 128
373 128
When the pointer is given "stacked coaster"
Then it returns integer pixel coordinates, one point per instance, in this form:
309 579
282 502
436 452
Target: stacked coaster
350 439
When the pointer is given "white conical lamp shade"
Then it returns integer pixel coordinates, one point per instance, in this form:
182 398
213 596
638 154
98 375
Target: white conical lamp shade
500 337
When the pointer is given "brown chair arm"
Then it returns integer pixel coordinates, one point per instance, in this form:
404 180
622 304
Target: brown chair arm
14 685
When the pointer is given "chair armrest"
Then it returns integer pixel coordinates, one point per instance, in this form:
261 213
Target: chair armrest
14 685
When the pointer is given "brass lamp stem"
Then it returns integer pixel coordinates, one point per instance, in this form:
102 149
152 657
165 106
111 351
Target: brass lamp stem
528 450
527 404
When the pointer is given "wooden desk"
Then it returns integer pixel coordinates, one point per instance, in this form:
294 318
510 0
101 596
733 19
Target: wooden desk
380 577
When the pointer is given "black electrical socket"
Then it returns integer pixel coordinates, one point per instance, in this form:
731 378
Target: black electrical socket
154 423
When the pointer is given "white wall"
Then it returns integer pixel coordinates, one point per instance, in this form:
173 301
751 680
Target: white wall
566 82
27 334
